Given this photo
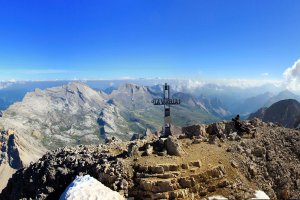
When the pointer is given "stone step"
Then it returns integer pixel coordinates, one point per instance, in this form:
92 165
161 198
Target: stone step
163 176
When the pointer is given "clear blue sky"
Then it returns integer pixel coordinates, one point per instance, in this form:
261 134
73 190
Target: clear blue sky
65 39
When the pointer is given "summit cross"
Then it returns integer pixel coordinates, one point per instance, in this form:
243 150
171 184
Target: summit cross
166 101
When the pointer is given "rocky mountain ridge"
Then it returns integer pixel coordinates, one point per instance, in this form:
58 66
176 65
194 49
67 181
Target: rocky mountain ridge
76 114
192 165
285 112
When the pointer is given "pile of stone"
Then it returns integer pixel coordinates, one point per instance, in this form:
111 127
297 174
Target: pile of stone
48 178
159 146
272 160
222 130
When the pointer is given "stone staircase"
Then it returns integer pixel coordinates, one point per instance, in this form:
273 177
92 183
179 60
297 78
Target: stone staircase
177 181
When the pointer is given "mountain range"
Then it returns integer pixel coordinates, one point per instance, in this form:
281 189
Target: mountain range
77 114
236 98
74 113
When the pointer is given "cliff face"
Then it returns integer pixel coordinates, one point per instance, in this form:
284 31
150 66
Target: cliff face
16 152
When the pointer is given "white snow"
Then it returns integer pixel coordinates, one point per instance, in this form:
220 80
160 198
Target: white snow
261 195
89 188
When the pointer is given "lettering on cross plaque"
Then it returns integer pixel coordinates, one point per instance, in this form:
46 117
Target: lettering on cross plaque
166 101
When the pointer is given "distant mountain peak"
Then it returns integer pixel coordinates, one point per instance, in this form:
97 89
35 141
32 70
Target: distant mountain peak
285 112
286 92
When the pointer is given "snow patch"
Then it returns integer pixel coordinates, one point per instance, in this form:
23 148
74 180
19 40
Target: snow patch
261 195
89 188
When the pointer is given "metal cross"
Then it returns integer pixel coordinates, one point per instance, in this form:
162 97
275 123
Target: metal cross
166 101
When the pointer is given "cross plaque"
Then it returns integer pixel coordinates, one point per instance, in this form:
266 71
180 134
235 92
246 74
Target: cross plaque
167 102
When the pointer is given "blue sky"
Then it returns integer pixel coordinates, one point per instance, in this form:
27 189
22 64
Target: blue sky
107 39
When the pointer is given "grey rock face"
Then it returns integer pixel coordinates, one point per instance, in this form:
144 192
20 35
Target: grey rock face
173 146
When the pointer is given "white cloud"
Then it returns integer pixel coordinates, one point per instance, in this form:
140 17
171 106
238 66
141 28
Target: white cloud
189 85
292 77
126 78
265 74
193 85
246 83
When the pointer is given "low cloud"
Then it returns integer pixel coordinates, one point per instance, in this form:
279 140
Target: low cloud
194 85
246 83
292 77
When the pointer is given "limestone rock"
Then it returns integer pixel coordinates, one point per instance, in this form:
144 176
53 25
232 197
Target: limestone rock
234 164
196 163
195 130
173 146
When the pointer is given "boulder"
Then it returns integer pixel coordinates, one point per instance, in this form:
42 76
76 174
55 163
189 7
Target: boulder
196 163
252 170
184 166
216 128
185 182
149 150
234 164
256 121
149 135
133 149
195 130
173 146
216 172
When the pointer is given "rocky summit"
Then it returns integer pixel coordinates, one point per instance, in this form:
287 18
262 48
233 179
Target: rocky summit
200 162
75 114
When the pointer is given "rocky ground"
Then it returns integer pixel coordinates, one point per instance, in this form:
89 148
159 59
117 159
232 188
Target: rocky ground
194 164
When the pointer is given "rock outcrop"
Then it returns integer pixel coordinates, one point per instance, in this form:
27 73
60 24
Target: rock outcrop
47 178
16 152
272 160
